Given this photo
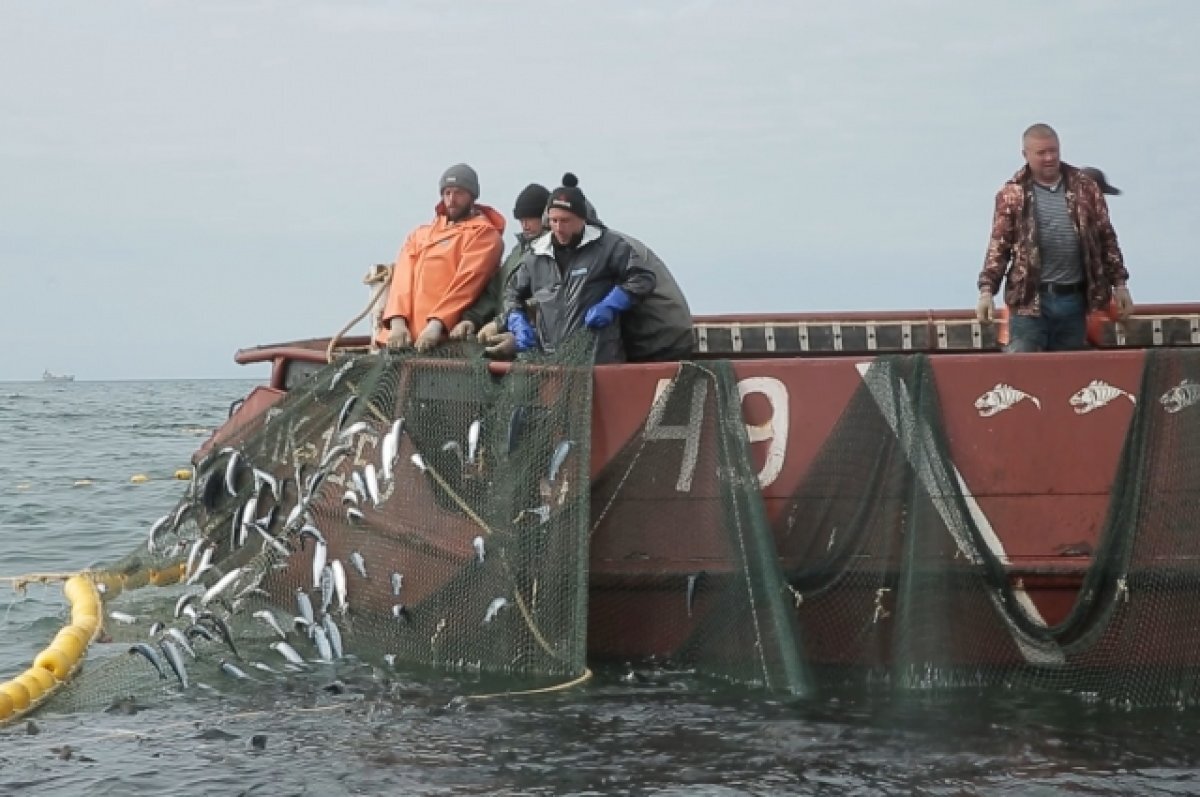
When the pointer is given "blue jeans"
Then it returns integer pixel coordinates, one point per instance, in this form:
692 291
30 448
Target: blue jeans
1062 326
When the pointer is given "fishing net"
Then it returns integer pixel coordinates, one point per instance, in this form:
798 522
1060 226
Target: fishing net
684 567
897 581
420 511
399 508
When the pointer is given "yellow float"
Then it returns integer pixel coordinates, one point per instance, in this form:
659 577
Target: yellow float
17 693
56 662
54 665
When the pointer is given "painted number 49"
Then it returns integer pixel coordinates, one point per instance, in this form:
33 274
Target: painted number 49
774 430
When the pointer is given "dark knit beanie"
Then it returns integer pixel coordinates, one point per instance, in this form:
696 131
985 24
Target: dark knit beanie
568 197
531 202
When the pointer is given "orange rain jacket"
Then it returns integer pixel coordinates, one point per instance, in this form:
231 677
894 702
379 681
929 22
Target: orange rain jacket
442 269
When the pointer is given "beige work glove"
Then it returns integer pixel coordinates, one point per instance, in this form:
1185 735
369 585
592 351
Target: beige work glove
489 331
503 346
985 311
431 335
398 335
1124 302
462 330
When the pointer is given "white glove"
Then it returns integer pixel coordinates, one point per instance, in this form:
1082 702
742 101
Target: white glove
430 336
1124 303
399 337
985 311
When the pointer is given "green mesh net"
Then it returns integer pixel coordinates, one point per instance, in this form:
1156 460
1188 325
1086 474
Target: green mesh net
898 584
399 508
423 511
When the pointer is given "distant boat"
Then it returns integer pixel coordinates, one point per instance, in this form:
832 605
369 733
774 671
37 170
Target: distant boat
49 377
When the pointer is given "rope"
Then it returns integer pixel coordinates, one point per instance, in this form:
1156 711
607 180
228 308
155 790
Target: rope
19 583
381 276
587 676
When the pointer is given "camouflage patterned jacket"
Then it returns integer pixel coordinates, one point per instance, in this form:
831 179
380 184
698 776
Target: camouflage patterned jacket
1013 249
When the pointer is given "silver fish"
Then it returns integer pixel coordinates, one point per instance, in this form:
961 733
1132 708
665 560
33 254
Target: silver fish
494 608
359 563
288 652
155 627
371 484
233 671
397 583
419 462
1097 394
335 636
321 640
542 513
258 665
312 531
175 659
305 605
477 544
326 588
238 529
345 411
182 639
151 655
191 559
558 458
320 556
473 434
354 515
400 612
222 584
339 583
262 477
332 454
1000 398
1180 397
268 617
452 445
389 659
516 424
177 518
249 511
274 542
350 498
360 486
231 472
353 429
339 373
693 581
390 448
158 526
122 617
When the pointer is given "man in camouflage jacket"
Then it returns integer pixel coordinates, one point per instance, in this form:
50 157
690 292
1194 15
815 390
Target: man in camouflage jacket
1055 247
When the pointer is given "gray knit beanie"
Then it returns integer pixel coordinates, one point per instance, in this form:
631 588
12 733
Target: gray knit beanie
460 175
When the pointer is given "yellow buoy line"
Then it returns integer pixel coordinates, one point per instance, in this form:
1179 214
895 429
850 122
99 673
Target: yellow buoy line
180 474
58 663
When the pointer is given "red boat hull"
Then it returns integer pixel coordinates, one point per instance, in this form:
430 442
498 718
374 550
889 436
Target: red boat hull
1037 469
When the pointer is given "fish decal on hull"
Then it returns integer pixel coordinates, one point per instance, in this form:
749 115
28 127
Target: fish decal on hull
1180 397
1097 394
1000 398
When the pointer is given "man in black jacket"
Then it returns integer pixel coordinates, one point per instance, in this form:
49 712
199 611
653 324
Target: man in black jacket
580 275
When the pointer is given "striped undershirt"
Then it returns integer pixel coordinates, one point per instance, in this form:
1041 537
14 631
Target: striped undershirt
1057 239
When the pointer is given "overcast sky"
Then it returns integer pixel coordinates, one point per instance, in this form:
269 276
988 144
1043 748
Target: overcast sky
181 179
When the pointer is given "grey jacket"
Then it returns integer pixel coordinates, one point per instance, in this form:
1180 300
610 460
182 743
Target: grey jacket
660 327
487 306
601 262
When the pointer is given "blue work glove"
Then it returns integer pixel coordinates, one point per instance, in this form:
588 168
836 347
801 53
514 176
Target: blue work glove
605 311
522 330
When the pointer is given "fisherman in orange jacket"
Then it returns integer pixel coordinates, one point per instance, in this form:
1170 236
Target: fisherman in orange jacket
444 266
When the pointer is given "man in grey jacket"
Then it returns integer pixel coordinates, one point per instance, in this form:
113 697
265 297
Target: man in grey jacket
580 275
